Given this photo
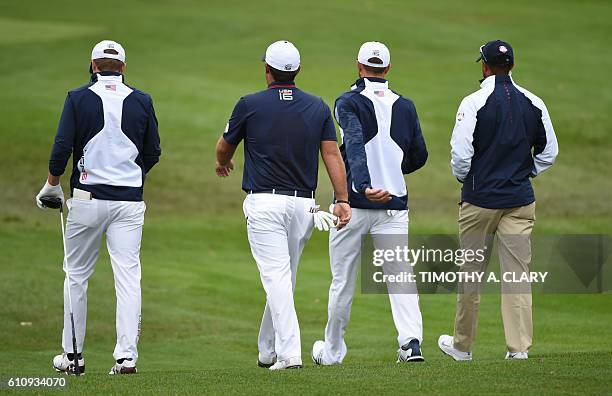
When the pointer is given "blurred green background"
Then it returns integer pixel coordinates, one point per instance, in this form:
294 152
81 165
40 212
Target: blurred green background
202 299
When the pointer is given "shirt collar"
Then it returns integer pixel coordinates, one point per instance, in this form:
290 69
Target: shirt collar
288 84
106 76
373 82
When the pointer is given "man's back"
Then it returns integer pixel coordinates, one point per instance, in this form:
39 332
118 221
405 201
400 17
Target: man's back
388 145
282 127
381 141
508 126
112 130
502 136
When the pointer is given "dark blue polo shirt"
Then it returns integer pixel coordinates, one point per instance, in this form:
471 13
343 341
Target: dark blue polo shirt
282 128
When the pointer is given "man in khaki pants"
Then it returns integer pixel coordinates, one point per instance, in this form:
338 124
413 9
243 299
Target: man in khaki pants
502 137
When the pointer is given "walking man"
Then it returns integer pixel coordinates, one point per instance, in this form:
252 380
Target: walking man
110 130
382 141
283 129
503 136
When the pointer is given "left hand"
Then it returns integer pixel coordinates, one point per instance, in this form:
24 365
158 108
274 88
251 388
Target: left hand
323 221
224 170
377 195
49 190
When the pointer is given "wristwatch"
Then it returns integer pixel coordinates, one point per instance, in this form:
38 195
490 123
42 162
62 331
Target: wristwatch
341 201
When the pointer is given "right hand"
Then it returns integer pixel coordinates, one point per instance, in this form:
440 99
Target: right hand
343 212
224 170
377 195
49 191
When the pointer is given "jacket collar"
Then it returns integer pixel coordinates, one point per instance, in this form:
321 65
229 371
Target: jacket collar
487 82
371 82
106 76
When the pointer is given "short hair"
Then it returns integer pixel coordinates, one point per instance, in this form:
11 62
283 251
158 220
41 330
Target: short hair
107 64
500 69
379 70
283 76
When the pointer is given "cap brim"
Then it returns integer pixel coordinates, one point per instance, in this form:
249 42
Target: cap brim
479 58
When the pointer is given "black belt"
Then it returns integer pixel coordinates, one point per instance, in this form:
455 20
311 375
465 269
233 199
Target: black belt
290 193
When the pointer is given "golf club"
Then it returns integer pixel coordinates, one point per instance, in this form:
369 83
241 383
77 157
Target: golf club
56 203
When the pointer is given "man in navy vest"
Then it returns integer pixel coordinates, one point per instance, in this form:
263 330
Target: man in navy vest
284 129
503 136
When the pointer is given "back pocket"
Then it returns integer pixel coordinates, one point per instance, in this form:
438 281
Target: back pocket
83 212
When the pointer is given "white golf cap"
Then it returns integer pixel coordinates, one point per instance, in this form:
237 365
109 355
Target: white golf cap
374 49
282 55
101 50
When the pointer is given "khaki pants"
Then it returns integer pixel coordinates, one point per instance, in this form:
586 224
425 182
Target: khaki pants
477 228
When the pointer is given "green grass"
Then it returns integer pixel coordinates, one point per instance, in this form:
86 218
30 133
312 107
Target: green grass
202 300
201 310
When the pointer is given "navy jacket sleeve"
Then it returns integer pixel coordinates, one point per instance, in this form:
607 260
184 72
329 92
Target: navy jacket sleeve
151 147
417 154
353 143
64 140
236 126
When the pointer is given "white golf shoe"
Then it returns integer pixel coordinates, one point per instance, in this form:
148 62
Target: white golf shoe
63 364
123 366
291 363
445 342
517 356
318 348
265 362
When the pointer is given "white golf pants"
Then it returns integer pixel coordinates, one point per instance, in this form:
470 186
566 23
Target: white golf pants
122 222
345 256
278 228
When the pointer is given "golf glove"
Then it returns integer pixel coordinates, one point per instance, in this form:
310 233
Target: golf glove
49 191
323 220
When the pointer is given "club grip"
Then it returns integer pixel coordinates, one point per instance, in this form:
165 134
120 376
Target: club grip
51 202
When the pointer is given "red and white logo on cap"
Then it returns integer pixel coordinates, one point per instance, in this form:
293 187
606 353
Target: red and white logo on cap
503 49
